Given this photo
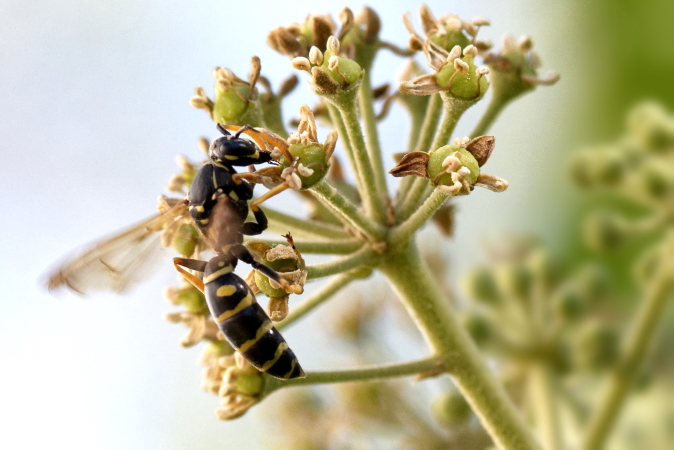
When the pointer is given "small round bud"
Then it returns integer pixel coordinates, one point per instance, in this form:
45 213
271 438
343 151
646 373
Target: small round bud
185 240
439 157
605 230
461 79
480 284
193 300
478 326
515 280
451 409
569 304
653 127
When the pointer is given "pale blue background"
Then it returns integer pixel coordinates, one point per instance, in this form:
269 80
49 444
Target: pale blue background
93 109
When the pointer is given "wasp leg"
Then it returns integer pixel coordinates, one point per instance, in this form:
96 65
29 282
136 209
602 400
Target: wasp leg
254 228
252 177
254 205
193 264
242 253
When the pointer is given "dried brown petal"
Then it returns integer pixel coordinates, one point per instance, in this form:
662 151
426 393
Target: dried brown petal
284 41
288 85
414 163
324 82
322 30
491 182
481 148
370 19
423 85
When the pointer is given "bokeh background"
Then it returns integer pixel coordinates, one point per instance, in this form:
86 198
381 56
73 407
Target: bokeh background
93 109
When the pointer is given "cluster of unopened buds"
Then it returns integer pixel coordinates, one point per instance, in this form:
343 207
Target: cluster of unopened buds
639 167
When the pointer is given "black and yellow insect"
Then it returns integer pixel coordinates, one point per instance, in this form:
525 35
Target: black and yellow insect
218 203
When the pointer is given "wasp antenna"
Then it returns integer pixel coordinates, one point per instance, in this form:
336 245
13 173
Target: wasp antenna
222 129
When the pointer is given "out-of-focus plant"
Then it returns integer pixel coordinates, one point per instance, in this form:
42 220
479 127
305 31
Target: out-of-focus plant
638 168
360 223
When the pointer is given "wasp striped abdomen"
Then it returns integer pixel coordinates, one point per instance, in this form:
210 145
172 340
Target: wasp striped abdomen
245 324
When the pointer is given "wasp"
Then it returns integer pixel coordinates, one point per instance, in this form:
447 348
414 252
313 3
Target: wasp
218 204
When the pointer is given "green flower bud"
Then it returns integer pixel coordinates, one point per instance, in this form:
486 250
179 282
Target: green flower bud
462 81
480 284
657 180
477 325
344 71
450 35
545 268
451 409
312 157
605 230
596 346
515 280
250 385
230 104
603 166
192 299
569 303
185 240
436 167
652 126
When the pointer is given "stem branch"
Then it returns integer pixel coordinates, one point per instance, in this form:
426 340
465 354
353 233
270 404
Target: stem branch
445 335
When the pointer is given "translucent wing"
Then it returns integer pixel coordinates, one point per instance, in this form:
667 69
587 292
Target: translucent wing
116 263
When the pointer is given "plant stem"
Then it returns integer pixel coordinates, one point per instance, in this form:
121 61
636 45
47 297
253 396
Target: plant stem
405 230
336 120
546 406
363 257
372 373
423 143
333 247
373 201
643 330
366 104
454 109
317 298
302 227
347 211
496 105
445 335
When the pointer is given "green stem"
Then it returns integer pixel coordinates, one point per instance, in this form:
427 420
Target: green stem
545 404
336 119
317 298
643 330
372 373
332 247
374 202
454 109
363 257
496 105
366 104
347 211
422 144
405 230
445 335
301 227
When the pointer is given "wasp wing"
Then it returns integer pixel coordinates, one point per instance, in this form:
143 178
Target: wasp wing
118 262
